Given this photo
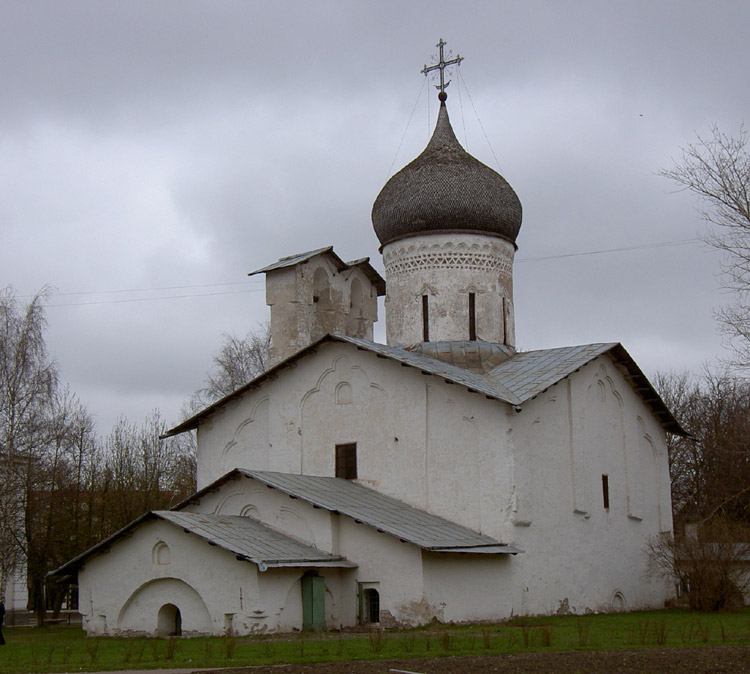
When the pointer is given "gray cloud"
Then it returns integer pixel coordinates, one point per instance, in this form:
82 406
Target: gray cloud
153 145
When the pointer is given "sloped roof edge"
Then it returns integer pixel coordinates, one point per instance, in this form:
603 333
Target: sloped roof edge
491 385
313 559
371 508
74 564
456 374
298 258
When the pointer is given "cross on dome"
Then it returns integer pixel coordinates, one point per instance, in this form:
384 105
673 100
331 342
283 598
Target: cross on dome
441 65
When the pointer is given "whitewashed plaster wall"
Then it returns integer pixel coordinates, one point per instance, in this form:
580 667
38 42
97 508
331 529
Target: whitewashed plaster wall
579 554
418 439
216 593
14 589
294 517
144 585
446 268
470 587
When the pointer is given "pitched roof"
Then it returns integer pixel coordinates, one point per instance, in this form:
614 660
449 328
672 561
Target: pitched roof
298 258
245 537
371 508
514 381
250 539
529 373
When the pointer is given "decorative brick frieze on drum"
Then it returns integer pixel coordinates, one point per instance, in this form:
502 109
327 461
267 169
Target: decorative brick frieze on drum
427 255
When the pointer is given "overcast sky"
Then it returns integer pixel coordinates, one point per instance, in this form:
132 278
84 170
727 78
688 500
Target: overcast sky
153 153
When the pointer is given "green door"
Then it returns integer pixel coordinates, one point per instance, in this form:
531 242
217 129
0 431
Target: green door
313 603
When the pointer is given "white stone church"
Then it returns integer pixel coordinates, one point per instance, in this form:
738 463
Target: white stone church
443 476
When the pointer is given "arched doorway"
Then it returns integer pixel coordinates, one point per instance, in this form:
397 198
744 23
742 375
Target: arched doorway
169 621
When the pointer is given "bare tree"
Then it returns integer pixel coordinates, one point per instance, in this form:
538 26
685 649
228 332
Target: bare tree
28 377
62 488
710 471
28 381
707 561
143 472
717 170
238 361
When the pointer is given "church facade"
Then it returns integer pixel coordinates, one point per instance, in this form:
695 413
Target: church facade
441 476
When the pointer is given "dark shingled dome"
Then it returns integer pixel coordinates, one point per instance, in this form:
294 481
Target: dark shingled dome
445 189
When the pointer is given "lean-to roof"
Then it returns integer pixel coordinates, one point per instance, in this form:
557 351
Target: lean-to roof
248 539
369 507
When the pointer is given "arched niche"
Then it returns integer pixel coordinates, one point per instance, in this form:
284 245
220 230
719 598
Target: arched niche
161 555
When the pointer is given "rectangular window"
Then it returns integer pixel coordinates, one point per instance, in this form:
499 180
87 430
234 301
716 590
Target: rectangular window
605 491
346 461
472 317
505 321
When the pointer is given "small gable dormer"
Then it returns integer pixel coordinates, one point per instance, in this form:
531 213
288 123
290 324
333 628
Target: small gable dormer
316 293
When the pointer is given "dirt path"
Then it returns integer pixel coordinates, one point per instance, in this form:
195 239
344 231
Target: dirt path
704 660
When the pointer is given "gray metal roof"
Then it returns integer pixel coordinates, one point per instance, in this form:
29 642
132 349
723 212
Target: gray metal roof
431 365
529 373
516 380
445 189
297 258
364 263
383 513
250 539
245 537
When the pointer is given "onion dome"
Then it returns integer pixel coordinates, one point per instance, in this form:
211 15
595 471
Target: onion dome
444 190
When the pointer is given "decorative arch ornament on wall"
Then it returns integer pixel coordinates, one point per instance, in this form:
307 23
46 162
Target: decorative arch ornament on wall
152 595
344 395
243 425
161 555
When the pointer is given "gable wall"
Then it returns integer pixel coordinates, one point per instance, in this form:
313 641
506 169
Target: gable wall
588 425
293 517
418 438
132 603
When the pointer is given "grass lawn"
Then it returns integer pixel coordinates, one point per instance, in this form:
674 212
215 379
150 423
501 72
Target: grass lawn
66 648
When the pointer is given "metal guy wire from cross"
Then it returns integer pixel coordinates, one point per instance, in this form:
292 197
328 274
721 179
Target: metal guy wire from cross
442 64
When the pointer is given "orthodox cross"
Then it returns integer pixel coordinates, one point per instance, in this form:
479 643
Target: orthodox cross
441 65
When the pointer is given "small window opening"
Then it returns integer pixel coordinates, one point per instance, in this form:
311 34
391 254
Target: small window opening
425 319
371 612
505 321
472 317
346 461
605 491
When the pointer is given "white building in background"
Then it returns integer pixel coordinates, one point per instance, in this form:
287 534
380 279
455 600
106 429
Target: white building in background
13 586
443 476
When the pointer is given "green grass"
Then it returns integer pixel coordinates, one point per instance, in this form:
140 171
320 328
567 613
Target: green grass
66 648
